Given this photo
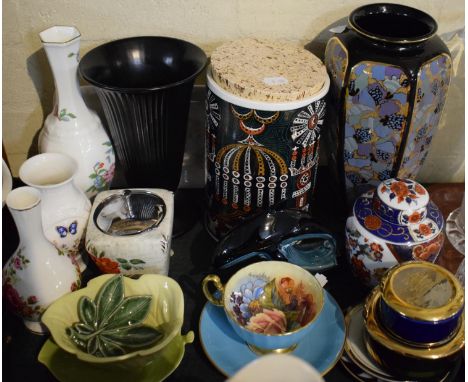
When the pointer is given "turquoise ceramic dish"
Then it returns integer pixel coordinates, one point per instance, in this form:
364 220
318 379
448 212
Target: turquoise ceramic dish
322 347
116 318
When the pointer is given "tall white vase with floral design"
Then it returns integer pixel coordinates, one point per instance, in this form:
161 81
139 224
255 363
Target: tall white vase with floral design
36 274
72 128
65 208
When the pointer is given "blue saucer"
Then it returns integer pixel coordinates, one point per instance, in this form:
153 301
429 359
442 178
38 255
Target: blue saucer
228 353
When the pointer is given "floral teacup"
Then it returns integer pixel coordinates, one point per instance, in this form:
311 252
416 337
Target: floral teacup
271 305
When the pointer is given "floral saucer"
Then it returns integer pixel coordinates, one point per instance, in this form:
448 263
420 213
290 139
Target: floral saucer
67 367
228 353
356 359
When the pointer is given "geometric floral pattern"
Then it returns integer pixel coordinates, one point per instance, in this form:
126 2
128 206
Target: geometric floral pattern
376 107
431 91
336 61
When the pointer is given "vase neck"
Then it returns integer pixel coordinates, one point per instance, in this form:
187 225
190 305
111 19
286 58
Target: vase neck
63 56
67 189
392 23
29 224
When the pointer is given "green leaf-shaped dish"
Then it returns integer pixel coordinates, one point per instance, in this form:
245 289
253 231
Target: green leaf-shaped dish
131 317
153 368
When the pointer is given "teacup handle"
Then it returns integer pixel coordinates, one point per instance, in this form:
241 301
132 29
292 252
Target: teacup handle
218 285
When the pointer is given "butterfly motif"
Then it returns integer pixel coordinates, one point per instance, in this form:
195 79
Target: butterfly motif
63 231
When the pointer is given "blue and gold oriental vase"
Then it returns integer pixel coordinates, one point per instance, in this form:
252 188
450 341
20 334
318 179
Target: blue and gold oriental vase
390 74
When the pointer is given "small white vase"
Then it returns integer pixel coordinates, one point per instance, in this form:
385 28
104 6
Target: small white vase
72 128
36 274
65 208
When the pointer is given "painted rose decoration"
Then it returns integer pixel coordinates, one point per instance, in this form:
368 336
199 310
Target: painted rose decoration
273 306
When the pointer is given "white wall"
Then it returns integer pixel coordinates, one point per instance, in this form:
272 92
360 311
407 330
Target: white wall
28 84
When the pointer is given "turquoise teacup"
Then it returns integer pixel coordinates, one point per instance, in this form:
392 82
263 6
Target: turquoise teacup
271 305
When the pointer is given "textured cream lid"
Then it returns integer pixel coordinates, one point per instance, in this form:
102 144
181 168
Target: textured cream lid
265 70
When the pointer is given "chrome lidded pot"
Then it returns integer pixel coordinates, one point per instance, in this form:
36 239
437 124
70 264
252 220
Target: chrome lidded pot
129 231
394 223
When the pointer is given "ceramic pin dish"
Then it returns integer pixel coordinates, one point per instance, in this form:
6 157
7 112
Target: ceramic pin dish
117 319
67 368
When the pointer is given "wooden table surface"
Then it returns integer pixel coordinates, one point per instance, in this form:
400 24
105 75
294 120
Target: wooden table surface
448 197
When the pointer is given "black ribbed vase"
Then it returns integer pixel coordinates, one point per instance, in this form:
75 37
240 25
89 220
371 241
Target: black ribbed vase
144 85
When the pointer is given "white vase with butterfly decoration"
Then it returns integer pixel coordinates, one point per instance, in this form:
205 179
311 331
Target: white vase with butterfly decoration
65 208
36 274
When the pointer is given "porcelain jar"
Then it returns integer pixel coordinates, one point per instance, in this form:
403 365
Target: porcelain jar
390 77
72 128
129 231
65 208
263 130
394 223
37 273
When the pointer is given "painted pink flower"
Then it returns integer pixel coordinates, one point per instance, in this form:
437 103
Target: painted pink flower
32 300
268 322
13 297
17 263
109 173
74 286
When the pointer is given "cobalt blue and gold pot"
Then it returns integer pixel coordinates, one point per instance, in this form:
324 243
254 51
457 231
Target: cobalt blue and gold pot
406 361
421 303
390 75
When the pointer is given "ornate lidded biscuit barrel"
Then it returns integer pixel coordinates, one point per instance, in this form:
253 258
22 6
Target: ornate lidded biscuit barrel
265 107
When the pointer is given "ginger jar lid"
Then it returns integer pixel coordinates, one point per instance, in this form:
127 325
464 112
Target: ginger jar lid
399 211
422 291
403 194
